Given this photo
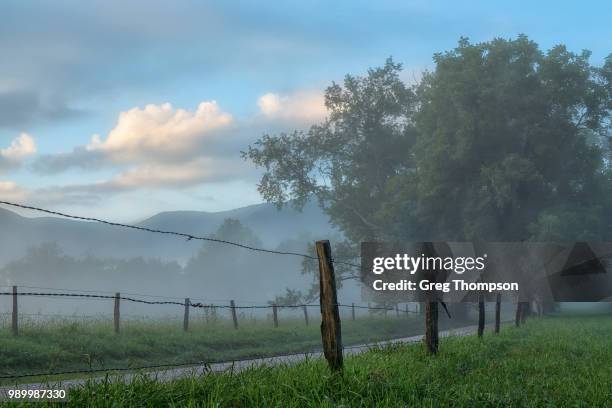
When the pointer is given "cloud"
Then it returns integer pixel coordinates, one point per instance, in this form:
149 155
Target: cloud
57 57
10 191
165 175
50 196
162 131
158 146
22 147
155 135
19 108
165 147
80 157
299 107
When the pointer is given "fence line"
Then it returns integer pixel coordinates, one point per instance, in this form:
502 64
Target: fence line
329 306
125 293
194 305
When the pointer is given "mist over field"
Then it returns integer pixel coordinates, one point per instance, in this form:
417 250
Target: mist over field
66 254
51 252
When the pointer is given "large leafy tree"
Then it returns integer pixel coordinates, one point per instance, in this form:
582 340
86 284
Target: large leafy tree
501 141
346 161
504 149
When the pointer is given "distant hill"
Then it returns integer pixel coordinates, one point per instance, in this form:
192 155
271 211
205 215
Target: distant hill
18 233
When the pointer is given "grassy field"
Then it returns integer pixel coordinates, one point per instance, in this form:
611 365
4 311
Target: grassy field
65 345
551 362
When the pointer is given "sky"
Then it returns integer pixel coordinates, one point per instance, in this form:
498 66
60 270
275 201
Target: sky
123 109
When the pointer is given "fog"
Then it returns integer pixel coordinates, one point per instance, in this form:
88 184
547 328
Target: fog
205 272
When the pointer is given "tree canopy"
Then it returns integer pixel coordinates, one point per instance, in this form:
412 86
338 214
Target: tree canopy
500 141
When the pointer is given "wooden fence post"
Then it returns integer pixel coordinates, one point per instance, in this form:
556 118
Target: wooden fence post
275 313
353 311
431 326
397 310
116 314
234 316
497 312
406 311
431 306
186 315
517 317
331 332
481 315
305 314
15 322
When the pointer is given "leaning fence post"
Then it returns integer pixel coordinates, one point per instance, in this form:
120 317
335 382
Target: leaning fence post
234 316
331 333
497 312
275 314
353 311
481 315
15 322
186 315
116 314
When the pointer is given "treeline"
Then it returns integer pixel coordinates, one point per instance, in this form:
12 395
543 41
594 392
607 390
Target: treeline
216 271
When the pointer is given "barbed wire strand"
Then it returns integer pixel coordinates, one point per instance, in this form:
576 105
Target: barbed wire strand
191 304
189 237
125 293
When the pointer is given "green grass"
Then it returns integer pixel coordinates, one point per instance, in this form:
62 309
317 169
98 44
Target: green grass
552 362
64 345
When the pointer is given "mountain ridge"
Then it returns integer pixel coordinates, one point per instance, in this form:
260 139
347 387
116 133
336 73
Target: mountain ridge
75 237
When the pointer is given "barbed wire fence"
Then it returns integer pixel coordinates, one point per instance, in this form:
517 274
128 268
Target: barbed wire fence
329 306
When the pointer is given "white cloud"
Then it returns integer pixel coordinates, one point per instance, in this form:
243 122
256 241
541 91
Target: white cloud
163 147
12 192
161 130
299 107
21 147
269 104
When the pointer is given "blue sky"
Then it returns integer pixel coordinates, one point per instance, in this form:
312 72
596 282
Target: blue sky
174 90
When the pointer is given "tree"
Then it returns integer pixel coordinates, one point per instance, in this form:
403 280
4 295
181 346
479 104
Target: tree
231 230
503 135
501 141
346 161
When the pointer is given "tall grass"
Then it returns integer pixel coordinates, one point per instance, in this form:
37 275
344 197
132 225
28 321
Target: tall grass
65 344
554 362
